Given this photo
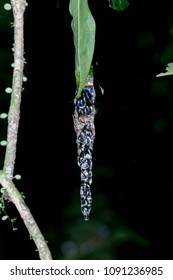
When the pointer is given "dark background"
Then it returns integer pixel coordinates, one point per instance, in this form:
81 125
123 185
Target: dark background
132 188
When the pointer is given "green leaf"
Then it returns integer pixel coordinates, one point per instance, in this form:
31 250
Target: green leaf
83 26
169 71
17 176
4 218
91 71
3 143
119 5
2 190
3 115
101 89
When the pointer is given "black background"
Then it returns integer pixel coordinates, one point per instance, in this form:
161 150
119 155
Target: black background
132 211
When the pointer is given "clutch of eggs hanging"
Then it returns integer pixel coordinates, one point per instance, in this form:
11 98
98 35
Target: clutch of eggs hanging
83 118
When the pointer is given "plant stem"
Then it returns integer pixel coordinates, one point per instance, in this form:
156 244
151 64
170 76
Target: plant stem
18 7
33 229
6 175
